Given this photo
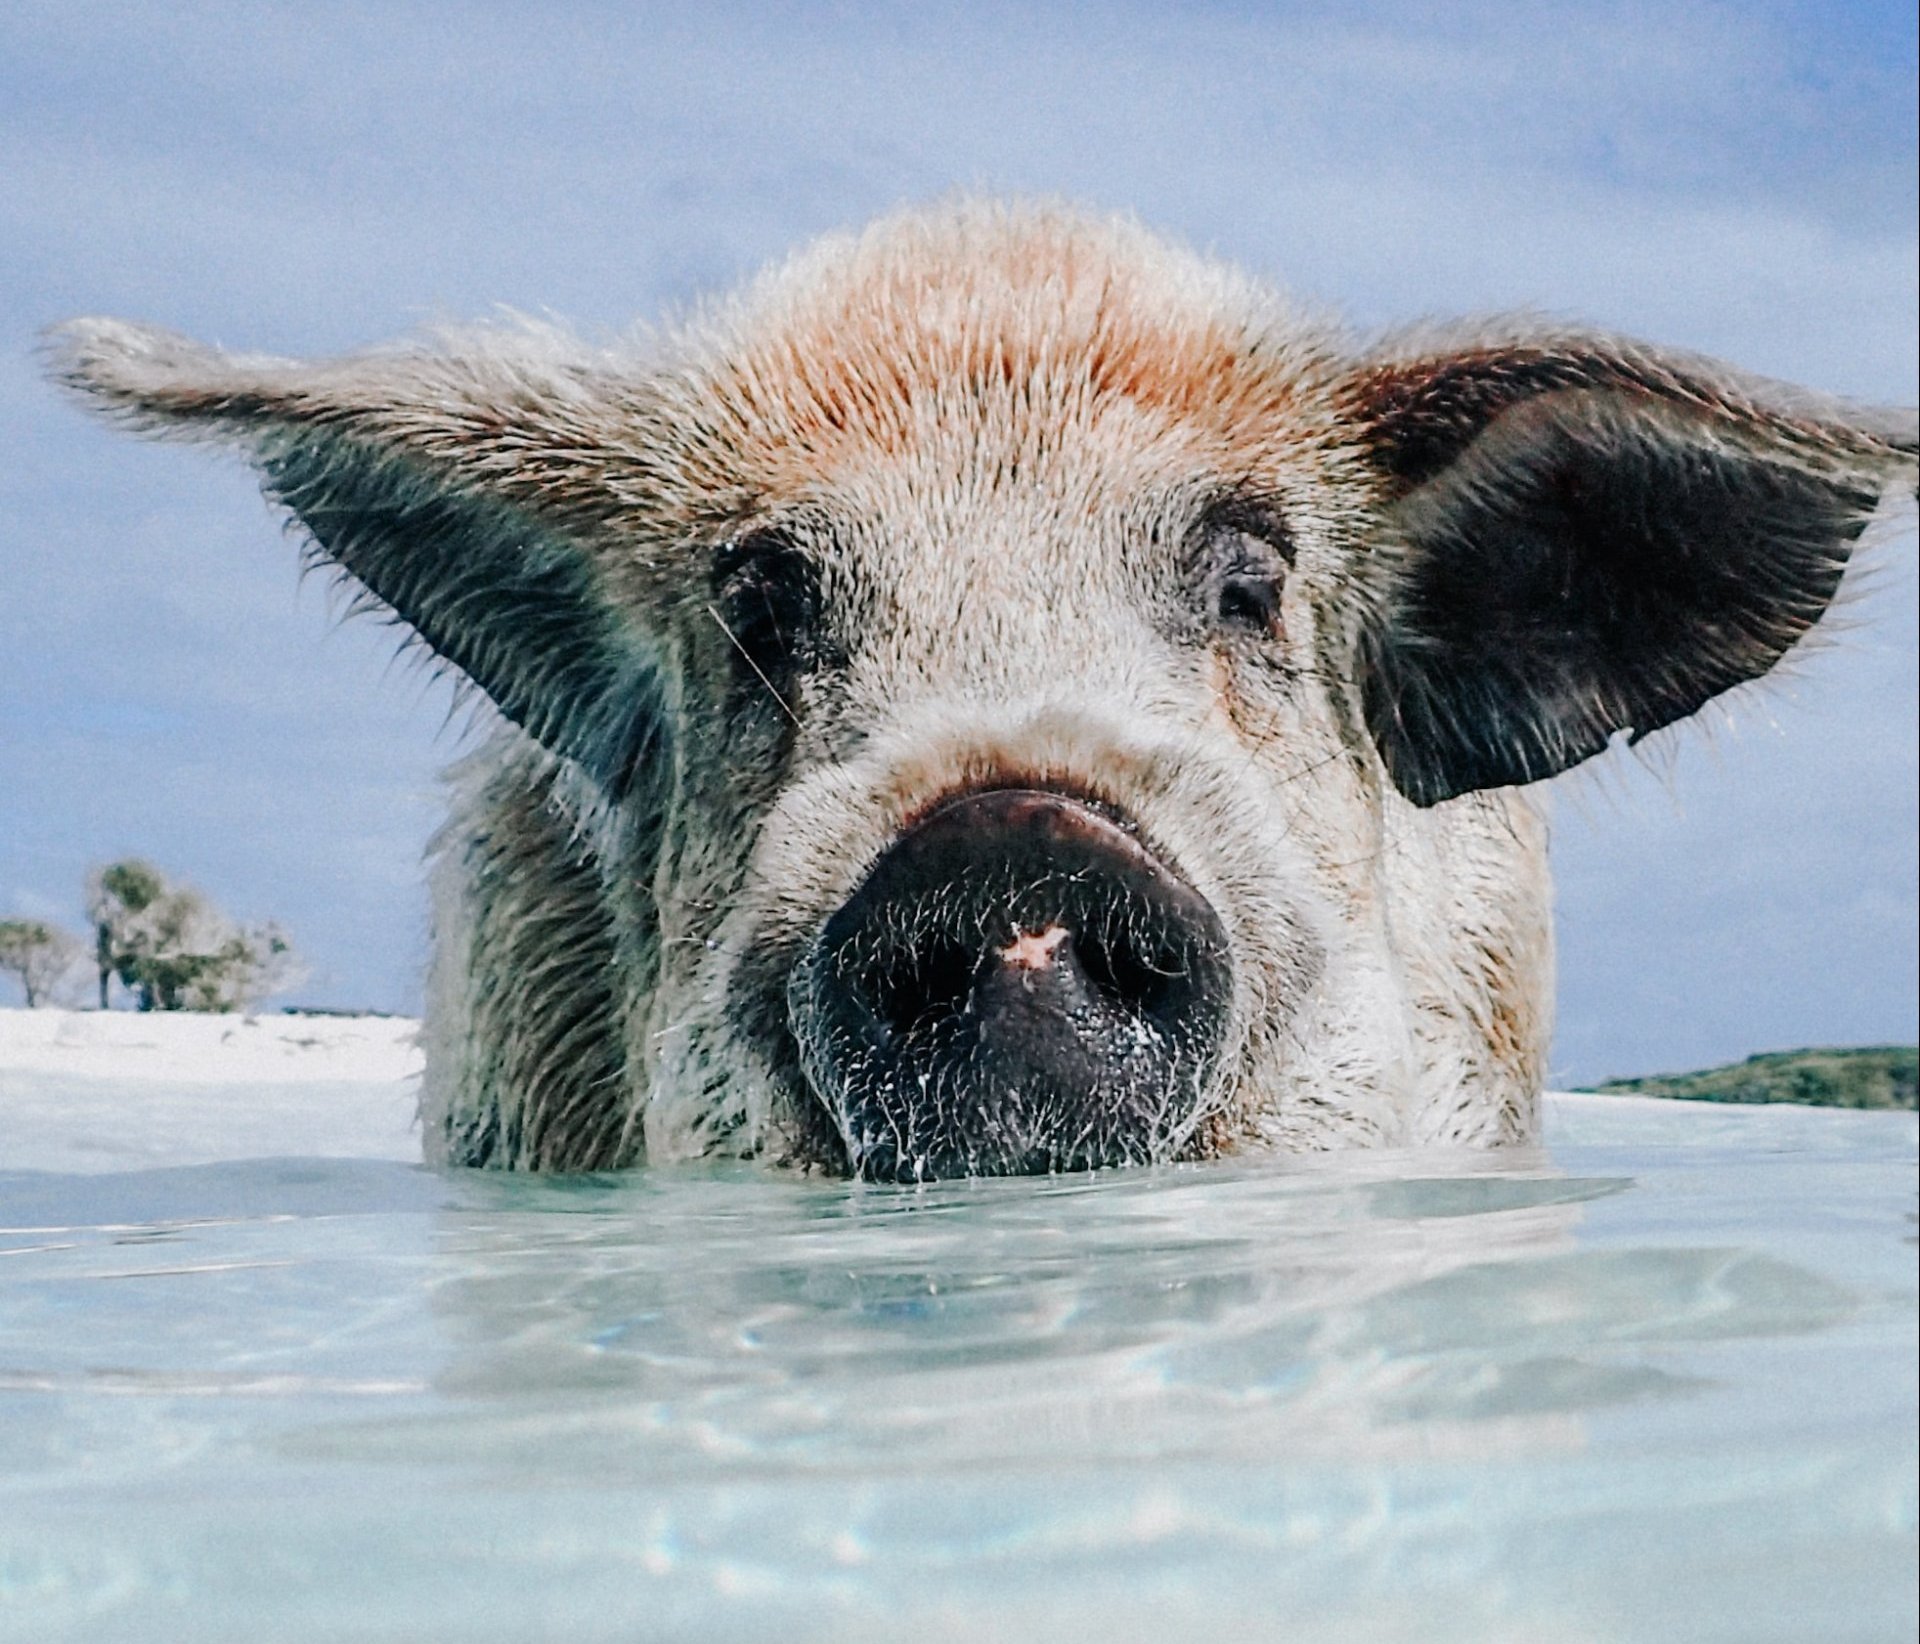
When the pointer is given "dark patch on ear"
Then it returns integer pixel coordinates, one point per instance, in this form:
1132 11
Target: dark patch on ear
1616 591
1592 545
509 602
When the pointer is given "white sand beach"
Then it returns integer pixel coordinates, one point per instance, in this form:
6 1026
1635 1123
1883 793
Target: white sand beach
121 1090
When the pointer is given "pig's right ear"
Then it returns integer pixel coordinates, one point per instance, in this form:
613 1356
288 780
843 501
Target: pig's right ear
459 487
1588 537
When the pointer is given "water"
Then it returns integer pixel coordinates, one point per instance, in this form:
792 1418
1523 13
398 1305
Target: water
1658 1384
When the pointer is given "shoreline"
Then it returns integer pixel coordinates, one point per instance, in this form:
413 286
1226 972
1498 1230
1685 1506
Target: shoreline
91 1091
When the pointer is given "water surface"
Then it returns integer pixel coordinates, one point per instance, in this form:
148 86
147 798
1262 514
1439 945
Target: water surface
1655 1384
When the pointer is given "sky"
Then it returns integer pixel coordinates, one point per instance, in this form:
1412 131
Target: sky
1734 179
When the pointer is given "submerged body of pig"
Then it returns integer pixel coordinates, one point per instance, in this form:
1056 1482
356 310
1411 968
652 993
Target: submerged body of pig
1003 694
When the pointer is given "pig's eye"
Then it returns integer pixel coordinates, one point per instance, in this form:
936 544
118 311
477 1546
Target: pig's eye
767 599
1249 602
1245 553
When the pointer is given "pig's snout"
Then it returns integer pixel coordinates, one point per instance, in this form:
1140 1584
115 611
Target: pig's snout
1019 985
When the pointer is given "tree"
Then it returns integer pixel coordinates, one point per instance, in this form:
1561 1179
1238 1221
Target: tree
174 950
119 897
42 957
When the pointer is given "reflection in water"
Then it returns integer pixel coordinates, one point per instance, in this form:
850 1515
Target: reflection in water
802 1328
1657 1392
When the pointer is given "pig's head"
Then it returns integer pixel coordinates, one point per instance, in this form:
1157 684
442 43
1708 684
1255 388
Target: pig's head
1029 698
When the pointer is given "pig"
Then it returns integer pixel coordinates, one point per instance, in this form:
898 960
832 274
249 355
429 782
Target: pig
1002 693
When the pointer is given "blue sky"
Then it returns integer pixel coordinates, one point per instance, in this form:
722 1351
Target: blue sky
1735 179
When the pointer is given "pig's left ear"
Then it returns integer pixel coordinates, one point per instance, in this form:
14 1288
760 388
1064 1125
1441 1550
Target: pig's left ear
1590 537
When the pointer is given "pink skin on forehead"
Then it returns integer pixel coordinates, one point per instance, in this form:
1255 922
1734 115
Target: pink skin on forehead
1031 951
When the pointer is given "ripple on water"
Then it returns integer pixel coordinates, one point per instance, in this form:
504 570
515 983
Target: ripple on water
1660 1385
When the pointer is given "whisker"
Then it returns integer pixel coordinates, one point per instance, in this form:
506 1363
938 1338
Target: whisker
748 655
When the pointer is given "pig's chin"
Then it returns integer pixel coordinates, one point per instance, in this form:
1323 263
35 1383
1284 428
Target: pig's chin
1017 986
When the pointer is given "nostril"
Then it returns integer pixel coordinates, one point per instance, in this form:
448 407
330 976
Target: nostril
925 982
1146 979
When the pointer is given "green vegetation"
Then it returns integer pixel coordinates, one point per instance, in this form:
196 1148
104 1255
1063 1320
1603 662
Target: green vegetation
1874 1076
167 946
172 949
42 958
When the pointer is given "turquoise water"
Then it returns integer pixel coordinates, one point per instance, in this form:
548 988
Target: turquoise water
1657 1383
